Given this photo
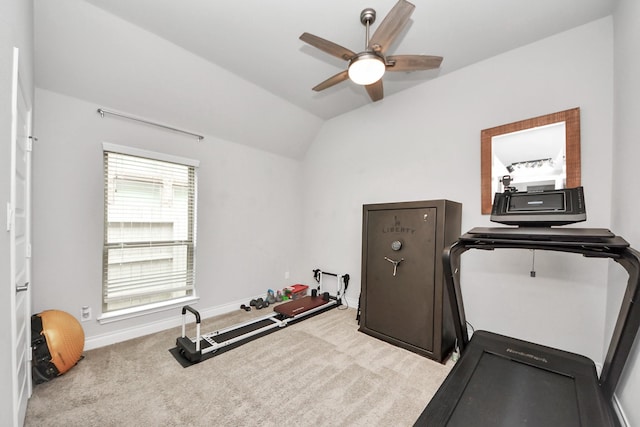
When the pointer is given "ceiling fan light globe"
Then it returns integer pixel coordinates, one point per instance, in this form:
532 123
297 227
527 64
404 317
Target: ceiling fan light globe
366 68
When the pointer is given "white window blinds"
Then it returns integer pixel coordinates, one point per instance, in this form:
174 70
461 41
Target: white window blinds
149 230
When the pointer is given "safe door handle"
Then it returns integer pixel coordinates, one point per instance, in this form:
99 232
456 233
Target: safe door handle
395 263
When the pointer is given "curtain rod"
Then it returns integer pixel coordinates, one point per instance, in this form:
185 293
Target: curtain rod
102 112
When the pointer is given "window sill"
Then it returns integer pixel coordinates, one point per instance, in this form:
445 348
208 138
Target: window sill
130 313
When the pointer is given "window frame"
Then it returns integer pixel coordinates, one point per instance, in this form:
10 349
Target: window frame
153 307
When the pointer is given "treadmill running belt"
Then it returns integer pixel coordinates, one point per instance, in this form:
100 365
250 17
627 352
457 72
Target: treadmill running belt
504 382
518 395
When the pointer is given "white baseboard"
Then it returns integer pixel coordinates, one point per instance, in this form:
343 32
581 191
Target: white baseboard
98 341
103 340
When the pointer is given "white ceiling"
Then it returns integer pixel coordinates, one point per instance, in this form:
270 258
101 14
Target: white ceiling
237 71
258 40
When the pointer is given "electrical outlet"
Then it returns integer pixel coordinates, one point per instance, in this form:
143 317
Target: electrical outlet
85 313
286 275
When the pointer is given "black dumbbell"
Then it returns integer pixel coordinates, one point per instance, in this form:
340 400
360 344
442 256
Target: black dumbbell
245 308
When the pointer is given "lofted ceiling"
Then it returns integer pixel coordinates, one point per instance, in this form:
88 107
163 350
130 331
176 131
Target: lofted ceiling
258 41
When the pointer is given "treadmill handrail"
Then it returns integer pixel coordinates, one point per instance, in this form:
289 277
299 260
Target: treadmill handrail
627 323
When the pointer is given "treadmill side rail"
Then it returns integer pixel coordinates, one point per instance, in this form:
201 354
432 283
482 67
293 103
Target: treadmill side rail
580 242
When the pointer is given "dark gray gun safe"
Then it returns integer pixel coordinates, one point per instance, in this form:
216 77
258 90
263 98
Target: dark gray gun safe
403 299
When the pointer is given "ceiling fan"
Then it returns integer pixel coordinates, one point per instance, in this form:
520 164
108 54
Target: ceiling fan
367 67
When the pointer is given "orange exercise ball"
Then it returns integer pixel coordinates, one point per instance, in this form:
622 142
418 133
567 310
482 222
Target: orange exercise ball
64 338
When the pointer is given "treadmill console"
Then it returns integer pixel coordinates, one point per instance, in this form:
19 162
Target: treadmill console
539 208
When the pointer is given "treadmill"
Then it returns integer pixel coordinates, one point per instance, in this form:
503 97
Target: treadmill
503 381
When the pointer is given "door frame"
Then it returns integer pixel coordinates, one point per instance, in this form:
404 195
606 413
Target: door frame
20 290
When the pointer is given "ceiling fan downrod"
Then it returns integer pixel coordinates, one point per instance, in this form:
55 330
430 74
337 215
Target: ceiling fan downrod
367 17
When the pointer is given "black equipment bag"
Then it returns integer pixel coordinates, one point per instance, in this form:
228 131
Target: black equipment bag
42 368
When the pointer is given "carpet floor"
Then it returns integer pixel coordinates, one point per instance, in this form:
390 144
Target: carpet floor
318 372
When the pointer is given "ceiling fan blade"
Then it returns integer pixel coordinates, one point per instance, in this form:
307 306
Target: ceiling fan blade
391 26
326 46
375 91
412 62
333 80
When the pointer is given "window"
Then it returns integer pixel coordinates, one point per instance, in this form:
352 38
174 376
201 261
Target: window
149 228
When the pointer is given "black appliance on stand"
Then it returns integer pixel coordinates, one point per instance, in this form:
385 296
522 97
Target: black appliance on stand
503 381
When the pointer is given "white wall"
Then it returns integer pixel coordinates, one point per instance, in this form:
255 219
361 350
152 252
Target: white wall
16 28
249 213
90 54
424 143
625 190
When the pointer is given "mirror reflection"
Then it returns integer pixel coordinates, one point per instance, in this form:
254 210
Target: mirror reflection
534 159
534 154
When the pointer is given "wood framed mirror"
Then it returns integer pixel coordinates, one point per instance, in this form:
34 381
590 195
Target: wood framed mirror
529 144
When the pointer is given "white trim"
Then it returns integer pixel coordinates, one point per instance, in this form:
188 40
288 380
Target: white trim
158 326
130 313
123 149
